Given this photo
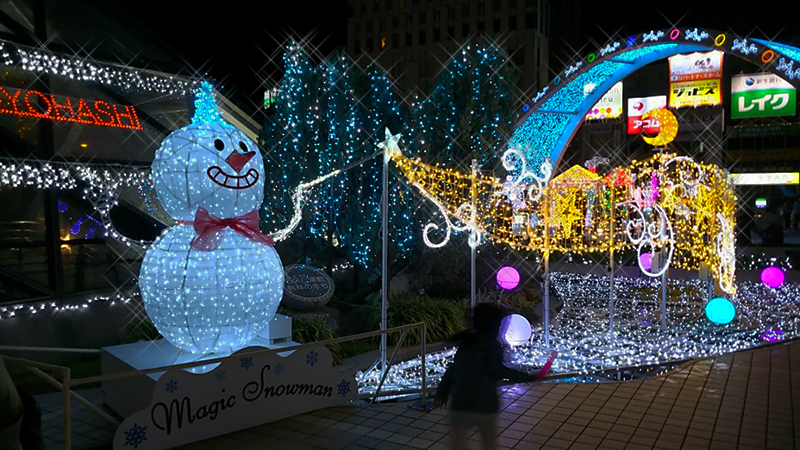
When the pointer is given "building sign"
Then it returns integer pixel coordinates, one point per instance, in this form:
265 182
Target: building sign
760 179
695 93
695 66
609 106
695 79
31 103
762 95
240 393
638 107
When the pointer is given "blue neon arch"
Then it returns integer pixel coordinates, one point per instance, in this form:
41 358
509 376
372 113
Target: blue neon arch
550 119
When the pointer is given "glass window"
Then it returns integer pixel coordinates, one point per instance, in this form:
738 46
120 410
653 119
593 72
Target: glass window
408 39
512 23
421 38
395 40
437 35
465 30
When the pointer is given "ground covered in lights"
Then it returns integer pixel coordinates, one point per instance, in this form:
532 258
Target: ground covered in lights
580 331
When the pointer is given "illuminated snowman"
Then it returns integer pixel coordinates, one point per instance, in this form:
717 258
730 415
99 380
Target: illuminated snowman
212 282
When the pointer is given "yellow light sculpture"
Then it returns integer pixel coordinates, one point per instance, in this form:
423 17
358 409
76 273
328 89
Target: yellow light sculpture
668 127
668 204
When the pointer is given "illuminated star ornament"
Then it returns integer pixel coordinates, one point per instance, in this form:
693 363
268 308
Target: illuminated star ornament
389 144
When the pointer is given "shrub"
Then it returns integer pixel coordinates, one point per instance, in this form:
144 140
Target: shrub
443 318
314 328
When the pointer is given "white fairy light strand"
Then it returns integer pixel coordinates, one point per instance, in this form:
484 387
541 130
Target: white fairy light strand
579 331
124 78
21 309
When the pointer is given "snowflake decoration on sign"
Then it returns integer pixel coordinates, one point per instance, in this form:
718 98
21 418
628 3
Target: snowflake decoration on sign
135 436
344 388
172 386
312 358
278 368
246 363
220 375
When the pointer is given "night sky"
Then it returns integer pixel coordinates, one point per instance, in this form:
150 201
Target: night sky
240 46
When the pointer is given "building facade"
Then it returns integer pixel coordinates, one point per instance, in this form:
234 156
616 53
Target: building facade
414 39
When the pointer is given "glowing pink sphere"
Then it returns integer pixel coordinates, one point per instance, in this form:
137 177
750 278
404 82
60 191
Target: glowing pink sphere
507 277
647 261
772 277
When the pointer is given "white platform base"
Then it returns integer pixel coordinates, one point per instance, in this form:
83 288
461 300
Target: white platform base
127 395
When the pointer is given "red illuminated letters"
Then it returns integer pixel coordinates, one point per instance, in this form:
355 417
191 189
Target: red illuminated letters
31 103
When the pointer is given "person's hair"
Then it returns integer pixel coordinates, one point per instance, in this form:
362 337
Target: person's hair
487 318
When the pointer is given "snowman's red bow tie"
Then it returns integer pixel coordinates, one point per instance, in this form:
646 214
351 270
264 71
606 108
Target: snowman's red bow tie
209 229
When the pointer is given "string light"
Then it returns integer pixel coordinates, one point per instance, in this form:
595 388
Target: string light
579 331
123 78
8 312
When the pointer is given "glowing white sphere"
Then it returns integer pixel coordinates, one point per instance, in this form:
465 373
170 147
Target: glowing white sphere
212 165
210 301
516 329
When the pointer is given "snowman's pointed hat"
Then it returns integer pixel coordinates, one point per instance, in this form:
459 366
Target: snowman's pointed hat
205 106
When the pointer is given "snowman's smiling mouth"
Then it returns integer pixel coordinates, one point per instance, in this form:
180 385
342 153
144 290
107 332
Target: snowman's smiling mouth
218 176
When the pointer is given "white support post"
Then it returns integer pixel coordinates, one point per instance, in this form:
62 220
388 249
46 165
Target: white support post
385 264
473 249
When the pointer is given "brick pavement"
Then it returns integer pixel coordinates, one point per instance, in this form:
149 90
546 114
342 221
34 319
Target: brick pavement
747 400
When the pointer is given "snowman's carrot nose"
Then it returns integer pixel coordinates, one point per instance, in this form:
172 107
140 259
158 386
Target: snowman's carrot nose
238 160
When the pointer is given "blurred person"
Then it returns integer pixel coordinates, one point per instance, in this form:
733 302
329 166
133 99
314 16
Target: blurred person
10 411
470 383
796 214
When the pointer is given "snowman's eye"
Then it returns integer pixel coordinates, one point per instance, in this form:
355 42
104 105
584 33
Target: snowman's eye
218 144
242 146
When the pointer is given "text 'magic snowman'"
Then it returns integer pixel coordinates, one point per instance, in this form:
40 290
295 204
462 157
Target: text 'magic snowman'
212 282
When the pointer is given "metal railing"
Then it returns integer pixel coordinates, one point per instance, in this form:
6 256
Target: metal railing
67 383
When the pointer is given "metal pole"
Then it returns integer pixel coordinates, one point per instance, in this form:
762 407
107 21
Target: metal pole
65 397
391 361
546 269
385 264
611 235
424 367
664 301
474 194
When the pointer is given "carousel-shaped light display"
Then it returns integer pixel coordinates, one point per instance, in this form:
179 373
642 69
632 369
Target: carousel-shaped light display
213 281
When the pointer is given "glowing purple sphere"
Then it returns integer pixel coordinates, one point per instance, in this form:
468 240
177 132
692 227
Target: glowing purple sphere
508 277
772 277
647 261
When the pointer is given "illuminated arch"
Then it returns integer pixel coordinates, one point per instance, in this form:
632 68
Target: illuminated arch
549 120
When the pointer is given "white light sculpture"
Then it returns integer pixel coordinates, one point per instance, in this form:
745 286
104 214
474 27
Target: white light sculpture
213 281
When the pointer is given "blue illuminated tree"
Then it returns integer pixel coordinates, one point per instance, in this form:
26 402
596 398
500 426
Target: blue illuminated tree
326 117
469 113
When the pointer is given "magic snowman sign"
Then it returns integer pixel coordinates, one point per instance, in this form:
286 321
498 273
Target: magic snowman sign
240 393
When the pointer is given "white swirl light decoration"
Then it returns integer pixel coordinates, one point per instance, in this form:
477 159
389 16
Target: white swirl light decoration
534 191
726 251
689 185
463 211
433 226
654 234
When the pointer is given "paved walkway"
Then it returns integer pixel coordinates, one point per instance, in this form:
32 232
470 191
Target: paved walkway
750 400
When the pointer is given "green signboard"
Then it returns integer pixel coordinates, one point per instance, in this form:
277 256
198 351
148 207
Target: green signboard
761 95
